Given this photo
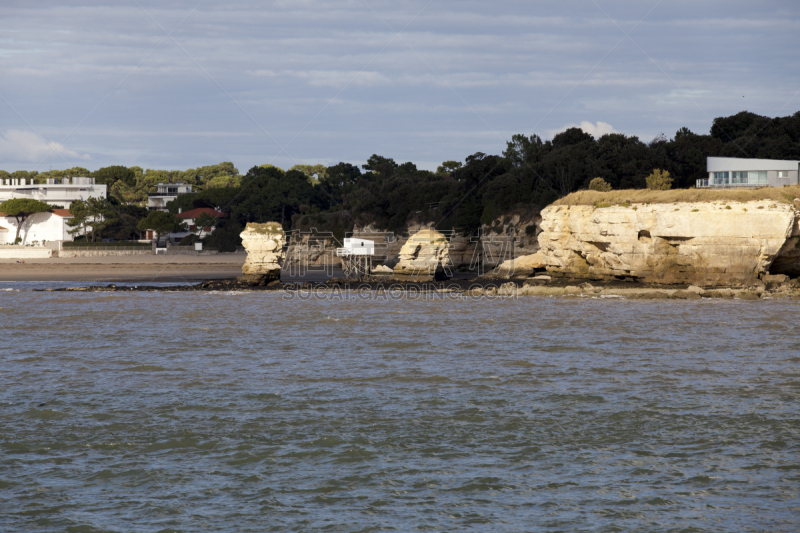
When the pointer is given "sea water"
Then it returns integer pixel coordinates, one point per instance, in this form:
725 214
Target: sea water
174 411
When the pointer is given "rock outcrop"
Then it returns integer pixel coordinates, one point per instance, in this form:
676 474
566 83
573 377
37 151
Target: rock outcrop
520 267
424 257
264 245
382 270
695 243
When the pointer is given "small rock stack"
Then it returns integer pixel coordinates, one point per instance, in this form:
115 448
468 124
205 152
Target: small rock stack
264 244
424 257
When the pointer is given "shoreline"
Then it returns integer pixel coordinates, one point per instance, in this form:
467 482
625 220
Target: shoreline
122 269
475 288
219 272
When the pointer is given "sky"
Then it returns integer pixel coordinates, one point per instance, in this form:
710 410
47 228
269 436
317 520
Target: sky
180 84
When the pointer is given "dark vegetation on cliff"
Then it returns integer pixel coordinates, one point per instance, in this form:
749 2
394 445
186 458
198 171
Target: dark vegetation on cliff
529 174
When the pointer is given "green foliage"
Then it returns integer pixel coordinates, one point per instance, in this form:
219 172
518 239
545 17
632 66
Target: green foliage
659 180
23 207
93 216
189 239
269 194
111 175
314 173
381 165
161 222
599 184
225 237
58 174
205 220
448 167
222 182
128 194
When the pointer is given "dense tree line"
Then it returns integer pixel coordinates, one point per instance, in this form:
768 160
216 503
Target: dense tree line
530 173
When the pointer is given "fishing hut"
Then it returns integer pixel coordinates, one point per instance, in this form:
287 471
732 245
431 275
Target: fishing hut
356 255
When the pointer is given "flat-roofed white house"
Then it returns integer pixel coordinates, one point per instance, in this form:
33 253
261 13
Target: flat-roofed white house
38 228
355 246
58 192
165 193
727 172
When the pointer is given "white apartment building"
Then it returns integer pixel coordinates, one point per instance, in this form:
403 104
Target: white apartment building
165 193
58 192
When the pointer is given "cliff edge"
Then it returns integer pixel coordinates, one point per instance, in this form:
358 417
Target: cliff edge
721 243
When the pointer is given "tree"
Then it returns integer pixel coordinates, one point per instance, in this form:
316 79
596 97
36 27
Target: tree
448 167
111 175
128 194
337 182
80 218
659 180
93 215
524 150
382 165
599 184
123 224
314 172
58 174
205 221
162 222
223 182
21 209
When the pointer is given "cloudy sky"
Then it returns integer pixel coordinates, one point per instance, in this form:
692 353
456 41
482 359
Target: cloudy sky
179 84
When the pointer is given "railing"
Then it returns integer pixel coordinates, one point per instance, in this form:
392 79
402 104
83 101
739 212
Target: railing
106 245
106 249
704 184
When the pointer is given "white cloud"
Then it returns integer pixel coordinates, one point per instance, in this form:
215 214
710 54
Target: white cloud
19 145
596 130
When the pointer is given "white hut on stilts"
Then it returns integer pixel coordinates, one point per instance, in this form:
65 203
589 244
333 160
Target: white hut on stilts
356 257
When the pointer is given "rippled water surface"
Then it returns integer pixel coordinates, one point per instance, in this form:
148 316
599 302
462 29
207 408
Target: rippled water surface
248 412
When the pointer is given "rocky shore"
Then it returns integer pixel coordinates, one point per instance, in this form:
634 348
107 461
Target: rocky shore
773 287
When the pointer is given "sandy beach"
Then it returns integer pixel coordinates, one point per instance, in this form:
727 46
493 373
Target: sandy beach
145 268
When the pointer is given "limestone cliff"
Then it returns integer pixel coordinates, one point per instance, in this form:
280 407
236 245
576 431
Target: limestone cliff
264 245
703 243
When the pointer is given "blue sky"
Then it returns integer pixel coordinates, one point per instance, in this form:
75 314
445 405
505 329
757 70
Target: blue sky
180 84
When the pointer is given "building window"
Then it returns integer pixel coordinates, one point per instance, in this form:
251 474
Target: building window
739 178
720 178
783 174
758 176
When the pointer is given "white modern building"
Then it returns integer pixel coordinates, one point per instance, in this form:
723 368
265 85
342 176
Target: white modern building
165 193
39 228
58 192
728 172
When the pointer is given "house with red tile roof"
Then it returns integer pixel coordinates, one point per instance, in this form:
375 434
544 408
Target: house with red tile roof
190 216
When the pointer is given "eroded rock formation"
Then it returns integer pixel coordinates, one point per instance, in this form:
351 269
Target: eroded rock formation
696 243
520 267
264 245
424 257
